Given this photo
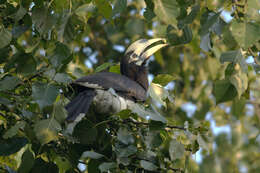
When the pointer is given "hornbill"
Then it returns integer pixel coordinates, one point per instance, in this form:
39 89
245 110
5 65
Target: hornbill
111 92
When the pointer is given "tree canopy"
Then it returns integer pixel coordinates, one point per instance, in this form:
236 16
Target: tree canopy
208 77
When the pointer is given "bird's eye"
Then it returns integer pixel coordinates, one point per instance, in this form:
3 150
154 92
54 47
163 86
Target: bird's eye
134 55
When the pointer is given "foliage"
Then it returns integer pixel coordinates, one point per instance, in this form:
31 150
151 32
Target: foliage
211 63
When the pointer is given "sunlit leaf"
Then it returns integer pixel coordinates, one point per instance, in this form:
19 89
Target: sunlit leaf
47 130
103 67
167 11
176 150
104 8
234 56
164 79
245 33
240 81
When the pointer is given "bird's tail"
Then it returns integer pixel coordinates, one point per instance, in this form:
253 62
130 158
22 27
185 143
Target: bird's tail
79 104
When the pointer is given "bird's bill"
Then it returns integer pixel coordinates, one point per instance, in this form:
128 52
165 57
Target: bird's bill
150 51
140 47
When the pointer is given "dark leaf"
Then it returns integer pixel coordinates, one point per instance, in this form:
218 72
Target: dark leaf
60 55
43 19
106 166
40 166
9 83
124 136
12 145
44 94
5 37
27 161
224 91
148 165
119 7
91 155
86 132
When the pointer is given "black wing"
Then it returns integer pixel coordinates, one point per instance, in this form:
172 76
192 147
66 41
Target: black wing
120 83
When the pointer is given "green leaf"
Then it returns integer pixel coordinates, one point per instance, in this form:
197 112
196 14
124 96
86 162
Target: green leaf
238 107
252 11
66 28
153 140
148 165
164 79
176 150
44 94
9 83
86 132
62 78
93 166
245 33
115 69
124 136
43 20
60 55
202 143
103 67
5 37
59 112
63 163
135 27
27 161
12 145
85 11
47 130
210 18
104 8
240 81
167 11
119 7
224 91
205 42
234 56
20 13
40 166
190 18
106 166
14 130
91 154
125 151
159 94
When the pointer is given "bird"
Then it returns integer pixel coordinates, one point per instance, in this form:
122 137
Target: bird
111 92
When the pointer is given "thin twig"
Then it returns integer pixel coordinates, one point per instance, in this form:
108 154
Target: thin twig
146 124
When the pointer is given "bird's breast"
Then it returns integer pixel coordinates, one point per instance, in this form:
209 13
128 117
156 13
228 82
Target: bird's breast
107 101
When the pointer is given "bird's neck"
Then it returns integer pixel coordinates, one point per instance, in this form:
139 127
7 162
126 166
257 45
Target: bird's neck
138 74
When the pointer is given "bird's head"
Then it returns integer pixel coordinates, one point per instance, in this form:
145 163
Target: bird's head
135 58
140 51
